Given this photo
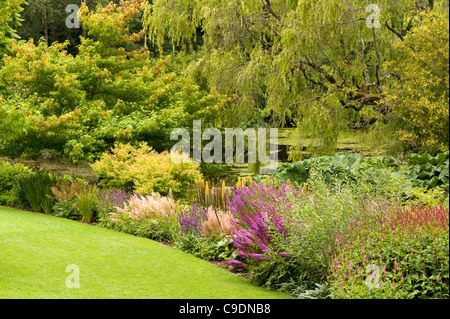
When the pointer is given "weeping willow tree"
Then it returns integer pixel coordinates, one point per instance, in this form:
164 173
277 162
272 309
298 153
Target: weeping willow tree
313 64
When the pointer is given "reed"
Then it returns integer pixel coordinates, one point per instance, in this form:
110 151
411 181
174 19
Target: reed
34 190
210 193
87 204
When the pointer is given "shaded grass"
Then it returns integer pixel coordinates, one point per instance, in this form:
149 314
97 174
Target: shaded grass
35 250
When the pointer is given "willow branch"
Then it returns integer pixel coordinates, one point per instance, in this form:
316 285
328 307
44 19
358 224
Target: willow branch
268 6
397 33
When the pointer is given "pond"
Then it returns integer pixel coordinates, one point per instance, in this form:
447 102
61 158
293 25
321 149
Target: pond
287 137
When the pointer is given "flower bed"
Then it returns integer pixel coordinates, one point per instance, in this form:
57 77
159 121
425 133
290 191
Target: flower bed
329 238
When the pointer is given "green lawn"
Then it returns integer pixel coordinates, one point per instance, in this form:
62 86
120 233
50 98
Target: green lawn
35 250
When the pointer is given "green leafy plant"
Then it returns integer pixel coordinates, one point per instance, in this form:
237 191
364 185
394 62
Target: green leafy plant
216 248
429 171
147 228
9 18
343 168
66 209
33 190
8 172
87 204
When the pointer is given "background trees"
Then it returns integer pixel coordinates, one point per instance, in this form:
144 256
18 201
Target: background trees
316 65
420 96
137 69
47 19
111 91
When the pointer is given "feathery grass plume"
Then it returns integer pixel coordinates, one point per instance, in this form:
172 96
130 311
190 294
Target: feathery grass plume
138 207
66 190
217 223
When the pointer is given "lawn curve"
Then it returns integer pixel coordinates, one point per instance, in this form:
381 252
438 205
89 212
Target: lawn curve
36 249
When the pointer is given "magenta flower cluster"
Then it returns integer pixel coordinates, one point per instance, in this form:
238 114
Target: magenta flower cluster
258 212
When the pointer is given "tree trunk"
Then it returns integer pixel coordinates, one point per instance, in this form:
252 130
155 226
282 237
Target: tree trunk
44 20
84 33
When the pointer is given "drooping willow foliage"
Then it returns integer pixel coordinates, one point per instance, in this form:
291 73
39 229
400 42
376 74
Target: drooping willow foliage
314 64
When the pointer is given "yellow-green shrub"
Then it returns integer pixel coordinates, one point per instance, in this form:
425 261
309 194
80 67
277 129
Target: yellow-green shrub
145 170
419 101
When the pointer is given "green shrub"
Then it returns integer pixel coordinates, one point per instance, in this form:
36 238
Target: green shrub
287 274
147 228
346 168
213 248
429 171
33 190
66 209
7 174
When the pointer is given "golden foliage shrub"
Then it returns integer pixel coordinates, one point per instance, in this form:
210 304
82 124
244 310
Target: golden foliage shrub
146 170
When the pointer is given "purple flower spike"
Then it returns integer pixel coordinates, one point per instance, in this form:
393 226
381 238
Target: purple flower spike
235 263
242 254
258 256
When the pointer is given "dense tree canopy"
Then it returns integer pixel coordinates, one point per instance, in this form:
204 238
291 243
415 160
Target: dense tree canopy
47 19
137 69
419 100
79 106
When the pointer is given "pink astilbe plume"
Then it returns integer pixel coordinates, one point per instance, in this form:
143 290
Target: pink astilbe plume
139 207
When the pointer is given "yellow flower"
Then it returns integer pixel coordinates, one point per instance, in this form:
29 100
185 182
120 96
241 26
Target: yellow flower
223 190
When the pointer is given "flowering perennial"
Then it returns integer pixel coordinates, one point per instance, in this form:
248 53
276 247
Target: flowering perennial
256 211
